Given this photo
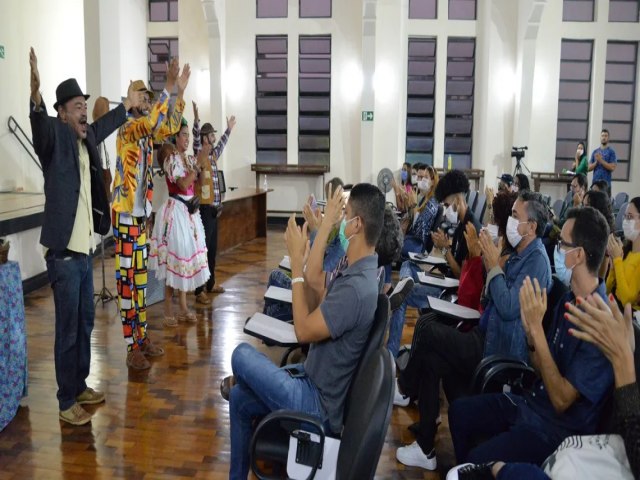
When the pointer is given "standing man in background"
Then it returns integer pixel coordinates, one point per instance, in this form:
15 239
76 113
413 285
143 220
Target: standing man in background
208 191
132 196
603 160
76 205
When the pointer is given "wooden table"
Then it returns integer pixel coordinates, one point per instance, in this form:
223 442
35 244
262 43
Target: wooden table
243 218
472 174
20 211
550 177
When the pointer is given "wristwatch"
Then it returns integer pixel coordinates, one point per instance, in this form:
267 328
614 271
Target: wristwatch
444 251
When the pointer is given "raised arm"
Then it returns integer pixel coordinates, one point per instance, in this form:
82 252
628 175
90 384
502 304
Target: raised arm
217 151
173 122
42 132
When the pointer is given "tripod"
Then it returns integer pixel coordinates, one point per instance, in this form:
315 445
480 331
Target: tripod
104 295
518 168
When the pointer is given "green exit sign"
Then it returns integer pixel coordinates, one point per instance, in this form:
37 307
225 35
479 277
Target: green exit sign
1 51
367 116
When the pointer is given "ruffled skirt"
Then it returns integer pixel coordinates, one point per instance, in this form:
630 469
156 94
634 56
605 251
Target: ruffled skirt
178 251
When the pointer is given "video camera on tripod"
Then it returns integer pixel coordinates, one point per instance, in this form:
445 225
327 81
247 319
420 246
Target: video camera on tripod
518 153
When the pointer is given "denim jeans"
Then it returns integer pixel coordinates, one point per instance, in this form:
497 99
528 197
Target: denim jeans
71 278
521 471
261 387
417 298
273 308
498 418
411 244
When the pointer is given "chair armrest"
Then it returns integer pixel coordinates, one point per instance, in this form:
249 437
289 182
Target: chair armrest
484 366
514 374
290 421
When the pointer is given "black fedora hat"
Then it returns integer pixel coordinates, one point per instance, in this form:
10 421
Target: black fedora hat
66 91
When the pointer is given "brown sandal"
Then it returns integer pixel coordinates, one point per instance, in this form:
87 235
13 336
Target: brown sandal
225 386
170 321
189 317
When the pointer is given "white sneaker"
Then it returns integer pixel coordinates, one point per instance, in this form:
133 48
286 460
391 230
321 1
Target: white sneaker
399 399
413 456
453 473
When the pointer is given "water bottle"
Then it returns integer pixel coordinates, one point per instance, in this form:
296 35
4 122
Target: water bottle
265 185
450 162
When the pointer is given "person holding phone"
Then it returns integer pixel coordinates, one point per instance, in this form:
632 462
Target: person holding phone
623 280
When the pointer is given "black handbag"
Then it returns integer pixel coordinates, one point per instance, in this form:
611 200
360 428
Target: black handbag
193 204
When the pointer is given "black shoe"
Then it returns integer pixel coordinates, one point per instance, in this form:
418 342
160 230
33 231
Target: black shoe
470 471
403 288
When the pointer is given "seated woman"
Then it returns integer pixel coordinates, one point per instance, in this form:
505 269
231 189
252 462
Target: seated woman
418 230
599 201
178 251
623 280
407 184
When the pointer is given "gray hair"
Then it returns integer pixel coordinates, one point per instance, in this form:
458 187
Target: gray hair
536 210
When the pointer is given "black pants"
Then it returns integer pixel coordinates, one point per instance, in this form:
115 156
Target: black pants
209 215
439 353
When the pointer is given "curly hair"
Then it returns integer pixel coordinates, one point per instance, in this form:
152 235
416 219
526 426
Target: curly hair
600 201
454 181
502 205
391 239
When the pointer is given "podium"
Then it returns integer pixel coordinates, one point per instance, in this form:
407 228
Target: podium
13 343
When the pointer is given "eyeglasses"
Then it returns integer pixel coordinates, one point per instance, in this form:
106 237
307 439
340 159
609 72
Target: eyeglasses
562 245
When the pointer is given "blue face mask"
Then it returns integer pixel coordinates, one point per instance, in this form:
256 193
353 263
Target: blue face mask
344 241
562 271
404 175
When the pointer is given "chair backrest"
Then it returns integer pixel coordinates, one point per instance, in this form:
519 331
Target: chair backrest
481 204
620 216
471 201
619 200
547 199
365 426
557 207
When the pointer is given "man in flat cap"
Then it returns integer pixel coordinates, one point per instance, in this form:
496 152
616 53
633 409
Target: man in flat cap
76 205
132 196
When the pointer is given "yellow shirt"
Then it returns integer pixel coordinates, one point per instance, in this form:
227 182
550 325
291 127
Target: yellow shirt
81 240
625 277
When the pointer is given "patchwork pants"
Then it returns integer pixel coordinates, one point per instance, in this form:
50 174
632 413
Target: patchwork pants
131 276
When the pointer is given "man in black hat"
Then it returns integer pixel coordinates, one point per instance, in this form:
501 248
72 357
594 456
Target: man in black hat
76 205
505 183
208 191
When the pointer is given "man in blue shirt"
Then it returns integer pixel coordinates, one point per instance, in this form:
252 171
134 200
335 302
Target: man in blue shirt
444 353
603 160
576 377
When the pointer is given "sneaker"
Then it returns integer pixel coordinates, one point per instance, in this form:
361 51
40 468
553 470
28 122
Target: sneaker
413 456
136 360
399 399
403 288
90 397
470 471
150 349
75 415
203 299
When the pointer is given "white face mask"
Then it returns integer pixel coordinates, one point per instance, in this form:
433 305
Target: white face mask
423 185
513 235
414 179
451 215
493 231
629 229
514 188
563 272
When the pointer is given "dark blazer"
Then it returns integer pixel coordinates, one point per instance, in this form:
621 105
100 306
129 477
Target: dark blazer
56 144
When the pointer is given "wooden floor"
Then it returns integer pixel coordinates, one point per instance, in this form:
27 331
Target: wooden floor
168 422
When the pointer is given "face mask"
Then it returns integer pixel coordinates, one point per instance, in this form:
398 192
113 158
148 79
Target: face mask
493 231
451 215
404 175
344 241
414 179
579 152
513 235
629 229
515 189
423 185
563 272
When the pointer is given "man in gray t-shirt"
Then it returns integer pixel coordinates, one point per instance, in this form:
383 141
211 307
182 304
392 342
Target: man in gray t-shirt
336 323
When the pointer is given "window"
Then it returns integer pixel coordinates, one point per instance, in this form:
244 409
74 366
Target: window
623 10
315 8
161 51
577 11
573 99
163 10
619 101
421 83
423 9
459 105
271 9
271 99
314 102
462 9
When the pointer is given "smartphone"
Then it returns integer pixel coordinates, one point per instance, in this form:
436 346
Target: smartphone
313 203
431 273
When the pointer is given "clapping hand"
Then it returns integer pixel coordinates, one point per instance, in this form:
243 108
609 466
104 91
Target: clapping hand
440 239
297 241
614 247
183 79
134 99
334 211
311 217
173 70
473 242
533 305
490 253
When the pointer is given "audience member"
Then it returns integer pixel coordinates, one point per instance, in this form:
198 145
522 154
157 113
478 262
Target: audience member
600 186
581 162
337 328
603 160
505 183
520 182
418 233
578 189
624 277
575 376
